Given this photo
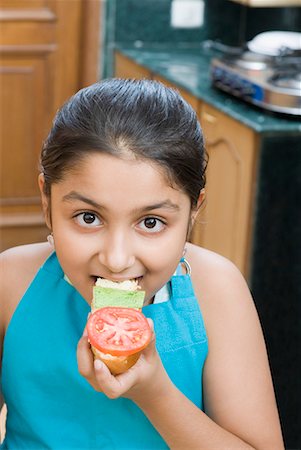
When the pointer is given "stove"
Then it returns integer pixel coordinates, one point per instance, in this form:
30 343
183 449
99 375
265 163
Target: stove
270 82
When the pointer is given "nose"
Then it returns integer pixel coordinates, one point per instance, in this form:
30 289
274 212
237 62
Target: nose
117 252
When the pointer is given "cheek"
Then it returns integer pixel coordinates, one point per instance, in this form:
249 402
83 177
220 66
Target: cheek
75 254
163 257
71 252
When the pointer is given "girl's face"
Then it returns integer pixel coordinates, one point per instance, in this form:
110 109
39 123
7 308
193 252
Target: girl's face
118 219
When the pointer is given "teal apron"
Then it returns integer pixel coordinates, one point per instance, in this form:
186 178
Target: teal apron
51 406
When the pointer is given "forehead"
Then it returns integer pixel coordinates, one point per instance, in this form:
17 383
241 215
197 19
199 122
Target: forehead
115 179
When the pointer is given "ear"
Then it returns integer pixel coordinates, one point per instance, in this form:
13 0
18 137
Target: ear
195 210
45 200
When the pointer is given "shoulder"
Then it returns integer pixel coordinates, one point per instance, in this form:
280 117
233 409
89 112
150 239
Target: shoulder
222 291
230 317
18 267
212 273
22 262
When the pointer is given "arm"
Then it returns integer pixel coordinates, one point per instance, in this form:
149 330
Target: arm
1 335
1 405
238 389
239 399
2 423
19 263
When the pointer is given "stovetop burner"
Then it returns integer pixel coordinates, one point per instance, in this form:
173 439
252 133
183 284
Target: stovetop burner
251 61
271 82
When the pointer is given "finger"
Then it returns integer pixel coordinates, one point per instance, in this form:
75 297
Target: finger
151 323
110 385
84 357
85 362
151 348
129 378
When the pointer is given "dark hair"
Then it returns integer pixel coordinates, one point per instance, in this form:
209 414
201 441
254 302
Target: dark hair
141 117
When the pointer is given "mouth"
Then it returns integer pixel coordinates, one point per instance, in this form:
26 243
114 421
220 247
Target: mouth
137 280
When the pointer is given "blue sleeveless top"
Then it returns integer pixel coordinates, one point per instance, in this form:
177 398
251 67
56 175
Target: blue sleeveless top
50 405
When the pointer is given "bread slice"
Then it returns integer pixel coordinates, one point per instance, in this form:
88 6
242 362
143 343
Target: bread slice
116 364
126 294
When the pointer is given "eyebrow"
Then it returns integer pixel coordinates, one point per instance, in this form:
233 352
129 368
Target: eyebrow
73 195
165 204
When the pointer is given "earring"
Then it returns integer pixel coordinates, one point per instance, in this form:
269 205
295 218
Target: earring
187 266
50 240
185 262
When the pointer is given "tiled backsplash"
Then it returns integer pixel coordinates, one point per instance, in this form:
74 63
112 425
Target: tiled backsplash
147 22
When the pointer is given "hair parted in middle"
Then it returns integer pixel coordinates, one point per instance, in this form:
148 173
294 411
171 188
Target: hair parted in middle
140 119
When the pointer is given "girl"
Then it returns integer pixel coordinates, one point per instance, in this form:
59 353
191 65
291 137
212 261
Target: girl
122 178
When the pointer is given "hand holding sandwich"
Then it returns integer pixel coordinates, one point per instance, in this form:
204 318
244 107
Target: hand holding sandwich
145 379
123 359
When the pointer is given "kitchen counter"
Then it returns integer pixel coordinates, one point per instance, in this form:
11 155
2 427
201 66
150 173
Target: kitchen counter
188 68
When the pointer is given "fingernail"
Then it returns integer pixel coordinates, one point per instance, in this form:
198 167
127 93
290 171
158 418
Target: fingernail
97 364
85 332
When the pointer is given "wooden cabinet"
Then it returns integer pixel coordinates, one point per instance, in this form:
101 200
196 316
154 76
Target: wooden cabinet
224 222
44 59
126 68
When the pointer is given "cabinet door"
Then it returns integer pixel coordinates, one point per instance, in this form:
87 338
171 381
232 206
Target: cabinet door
126 68
225 220
40 67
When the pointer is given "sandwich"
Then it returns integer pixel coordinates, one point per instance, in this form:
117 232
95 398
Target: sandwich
117 329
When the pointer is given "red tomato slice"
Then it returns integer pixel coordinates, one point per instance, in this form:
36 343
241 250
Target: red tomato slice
118 331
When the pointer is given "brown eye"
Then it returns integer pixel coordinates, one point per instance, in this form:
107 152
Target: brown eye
88 218
151 222
151 225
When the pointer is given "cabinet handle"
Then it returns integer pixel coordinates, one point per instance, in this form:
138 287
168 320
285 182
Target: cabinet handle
209 118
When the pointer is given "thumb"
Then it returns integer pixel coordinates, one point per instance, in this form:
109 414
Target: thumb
151 347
